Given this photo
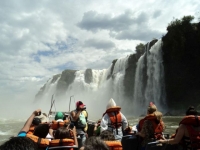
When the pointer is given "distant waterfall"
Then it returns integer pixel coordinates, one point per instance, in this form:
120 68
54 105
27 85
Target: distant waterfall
96 87
149 81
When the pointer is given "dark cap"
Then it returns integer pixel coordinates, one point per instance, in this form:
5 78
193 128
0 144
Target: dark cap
36 121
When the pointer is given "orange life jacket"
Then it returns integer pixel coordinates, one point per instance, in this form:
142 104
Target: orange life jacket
61 142
190 122
55 125
40 141
116 118
114 145
31 129
157 125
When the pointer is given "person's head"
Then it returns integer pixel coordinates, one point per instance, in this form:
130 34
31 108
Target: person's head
62 132
191 111
96 143
41 130
19 143
158 115
80 105
151 108
59 115
107 135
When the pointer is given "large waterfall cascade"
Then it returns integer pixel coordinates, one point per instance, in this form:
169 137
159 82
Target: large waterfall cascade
109 83
149 80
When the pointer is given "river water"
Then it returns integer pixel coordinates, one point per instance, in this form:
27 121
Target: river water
10 128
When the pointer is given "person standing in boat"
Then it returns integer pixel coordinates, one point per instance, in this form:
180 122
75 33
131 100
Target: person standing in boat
79 120
114 120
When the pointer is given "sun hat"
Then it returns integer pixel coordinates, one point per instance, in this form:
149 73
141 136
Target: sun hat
151 108
59 115
111 103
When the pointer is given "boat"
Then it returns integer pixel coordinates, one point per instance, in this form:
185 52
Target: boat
129 141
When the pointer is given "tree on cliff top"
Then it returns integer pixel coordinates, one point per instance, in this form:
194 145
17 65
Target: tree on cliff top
140 48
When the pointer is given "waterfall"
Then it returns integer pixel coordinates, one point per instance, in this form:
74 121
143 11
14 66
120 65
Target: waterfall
149 81
96 87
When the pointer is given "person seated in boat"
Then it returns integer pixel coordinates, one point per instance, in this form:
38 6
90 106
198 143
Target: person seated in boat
79 120
114 120
19 143
59 117
188 132
24 140
155 117
97 128
65 136
107 135
43 118
147 134
94 143
38 129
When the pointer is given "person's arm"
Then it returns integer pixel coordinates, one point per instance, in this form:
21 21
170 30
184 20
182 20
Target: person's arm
29 121
104 123
178 137
74 115
124 122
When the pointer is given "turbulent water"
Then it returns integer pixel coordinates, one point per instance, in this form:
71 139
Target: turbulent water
10 128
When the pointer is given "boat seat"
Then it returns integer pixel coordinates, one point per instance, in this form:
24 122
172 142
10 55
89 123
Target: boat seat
130 142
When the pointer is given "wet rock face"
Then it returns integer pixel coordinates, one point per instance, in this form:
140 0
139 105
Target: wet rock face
88 76
67 77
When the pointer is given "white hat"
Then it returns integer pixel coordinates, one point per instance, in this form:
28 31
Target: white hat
111 103
43 118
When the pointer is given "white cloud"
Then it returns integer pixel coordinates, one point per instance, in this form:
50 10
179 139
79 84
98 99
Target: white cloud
41 39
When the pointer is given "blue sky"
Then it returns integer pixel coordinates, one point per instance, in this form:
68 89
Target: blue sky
39 39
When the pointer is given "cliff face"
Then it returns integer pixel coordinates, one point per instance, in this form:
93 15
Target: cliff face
181 56
181 61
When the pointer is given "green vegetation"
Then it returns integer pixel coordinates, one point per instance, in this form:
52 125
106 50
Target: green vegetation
181 56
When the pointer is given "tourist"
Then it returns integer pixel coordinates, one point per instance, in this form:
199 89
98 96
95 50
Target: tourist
188 132
79 120
110 117
94 143
155 117
147 134
19 143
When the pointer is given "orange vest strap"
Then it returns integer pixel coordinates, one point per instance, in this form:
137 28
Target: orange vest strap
63 142
116 119
40 141
55 125
114 145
